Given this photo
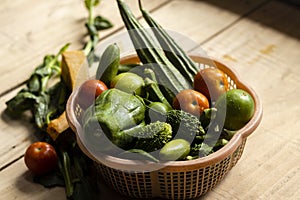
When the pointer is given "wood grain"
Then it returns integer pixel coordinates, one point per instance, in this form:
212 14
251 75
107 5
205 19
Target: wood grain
30 30
16 183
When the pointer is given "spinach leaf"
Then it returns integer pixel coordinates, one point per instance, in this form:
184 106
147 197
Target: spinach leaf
37 96
102 23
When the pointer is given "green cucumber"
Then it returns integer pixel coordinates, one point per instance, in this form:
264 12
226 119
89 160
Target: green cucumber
109 64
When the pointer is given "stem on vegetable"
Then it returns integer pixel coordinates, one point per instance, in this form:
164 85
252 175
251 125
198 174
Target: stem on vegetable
66 171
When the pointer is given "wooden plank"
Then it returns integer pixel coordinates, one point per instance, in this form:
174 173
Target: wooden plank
43 27
200 20
16 183
264 50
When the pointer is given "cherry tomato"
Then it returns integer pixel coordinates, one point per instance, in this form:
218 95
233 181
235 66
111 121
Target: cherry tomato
191 101
211 82
89 91
41 158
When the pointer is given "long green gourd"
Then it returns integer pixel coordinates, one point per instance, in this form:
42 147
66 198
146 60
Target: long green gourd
167 74
172 50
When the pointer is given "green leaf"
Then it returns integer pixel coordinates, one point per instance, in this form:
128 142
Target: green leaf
92 57
24 100
50 180
92 30
33 84
102 23
41 110
47 59
64 48
59 94
43 71
87 188
90 3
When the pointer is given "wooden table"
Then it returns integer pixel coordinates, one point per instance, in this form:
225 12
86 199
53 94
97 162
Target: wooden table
259 39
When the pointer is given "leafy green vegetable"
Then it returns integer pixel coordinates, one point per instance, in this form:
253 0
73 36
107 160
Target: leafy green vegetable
38 96
102 23
45 96
75 168
50 180
93 25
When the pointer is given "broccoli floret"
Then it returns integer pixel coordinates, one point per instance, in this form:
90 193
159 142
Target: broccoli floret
185 125
150 137
199 150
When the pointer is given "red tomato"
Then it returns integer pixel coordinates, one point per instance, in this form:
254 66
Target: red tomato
191 101
89 91
211 82
41 158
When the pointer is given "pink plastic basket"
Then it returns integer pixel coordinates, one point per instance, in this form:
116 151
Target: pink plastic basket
176 179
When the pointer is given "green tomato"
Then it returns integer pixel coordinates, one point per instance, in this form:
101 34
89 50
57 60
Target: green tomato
128 82
237 107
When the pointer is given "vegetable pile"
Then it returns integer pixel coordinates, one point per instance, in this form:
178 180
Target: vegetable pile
164 108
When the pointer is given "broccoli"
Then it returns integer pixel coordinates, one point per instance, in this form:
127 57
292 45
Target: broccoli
199 150
150 137
185 125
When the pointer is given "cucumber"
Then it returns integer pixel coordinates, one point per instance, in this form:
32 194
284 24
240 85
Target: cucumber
109 64
176 149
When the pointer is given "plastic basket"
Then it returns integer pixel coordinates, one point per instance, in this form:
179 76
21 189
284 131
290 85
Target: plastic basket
176 179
